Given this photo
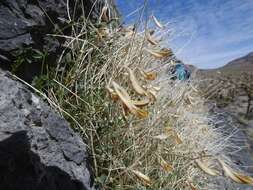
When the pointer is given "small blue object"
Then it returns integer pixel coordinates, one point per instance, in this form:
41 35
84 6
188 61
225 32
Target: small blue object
182 72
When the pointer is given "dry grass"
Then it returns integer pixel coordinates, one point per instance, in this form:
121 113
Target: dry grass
156 152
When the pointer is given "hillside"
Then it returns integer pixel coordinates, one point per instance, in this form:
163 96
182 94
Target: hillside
231 86
242 64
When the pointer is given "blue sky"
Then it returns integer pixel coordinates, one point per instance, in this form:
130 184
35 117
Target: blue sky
207 33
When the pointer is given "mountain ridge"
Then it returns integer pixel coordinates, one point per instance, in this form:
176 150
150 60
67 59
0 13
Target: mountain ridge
246 60
235 67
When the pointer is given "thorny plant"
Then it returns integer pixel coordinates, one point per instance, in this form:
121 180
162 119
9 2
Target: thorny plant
145 130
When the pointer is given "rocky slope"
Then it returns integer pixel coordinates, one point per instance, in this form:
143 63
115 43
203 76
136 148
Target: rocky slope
38 149
26 28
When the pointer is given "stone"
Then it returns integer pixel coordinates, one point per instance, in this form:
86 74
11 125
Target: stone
26 27
38 149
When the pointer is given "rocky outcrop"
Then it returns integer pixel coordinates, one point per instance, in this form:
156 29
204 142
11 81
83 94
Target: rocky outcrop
38 149
25 26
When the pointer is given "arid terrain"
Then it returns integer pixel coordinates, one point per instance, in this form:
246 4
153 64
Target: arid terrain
231 87
242 64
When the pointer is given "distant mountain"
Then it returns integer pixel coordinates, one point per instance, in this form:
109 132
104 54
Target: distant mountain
242 64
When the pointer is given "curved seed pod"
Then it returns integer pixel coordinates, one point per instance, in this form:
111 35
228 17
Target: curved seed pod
156 88
125 110
159 54
161 136
144 179
126 100
166 166
204 166
177 139
152 94
245 179
157 22
149 75
235 176
137 87
141 103
114 96
171 132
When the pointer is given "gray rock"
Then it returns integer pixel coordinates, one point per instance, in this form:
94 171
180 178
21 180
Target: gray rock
25 25
38 149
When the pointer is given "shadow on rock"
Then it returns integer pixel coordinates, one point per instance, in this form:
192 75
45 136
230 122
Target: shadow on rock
21 169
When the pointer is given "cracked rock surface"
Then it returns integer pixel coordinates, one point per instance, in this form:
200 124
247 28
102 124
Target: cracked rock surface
26 27
38 149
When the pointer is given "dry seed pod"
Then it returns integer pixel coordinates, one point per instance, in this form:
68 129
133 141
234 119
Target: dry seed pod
177 139
157 22
234 175
156 88
160 54
204 166
126 100
125 110
171 132
136 86
144 179
161 137
166 166
114 96
245 179
141 103
149 75
152 94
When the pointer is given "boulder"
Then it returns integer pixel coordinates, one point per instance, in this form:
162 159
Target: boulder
26 25
38 149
